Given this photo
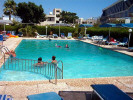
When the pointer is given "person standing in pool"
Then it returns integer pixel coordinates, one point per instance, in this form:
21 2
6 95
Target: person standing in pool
66 46
53 60
40 62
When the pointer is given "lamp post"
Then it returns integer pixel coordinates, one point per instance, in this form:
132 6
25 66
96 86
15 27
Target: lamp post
46 29
130 31
3 19
59 28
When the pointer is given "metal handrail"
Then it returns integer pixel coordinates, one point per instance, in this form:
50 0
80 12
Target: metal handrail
5 48
49 70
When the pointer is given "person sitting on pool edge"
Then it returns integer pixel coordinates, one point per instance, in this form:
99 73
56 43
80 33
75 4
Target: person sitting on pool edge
53 60
66 46
11 53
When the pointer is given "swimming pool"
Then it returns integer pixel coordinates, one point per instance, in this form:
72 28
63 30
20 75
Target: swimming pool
81 60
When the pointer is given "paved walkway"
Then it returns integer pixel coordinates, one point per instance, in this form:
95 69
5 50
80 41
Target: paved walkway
123 50
19 90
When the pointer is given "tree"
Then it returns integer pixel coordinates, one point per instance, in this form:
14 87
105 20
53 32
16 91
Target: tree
30 13
68 17
10 8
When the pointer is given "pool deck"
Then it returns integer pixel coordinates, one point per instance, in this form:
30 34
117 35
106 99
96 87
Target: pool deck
19 90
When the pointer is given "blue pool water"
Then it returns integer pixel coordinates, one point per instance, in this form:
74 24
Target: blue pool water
81 60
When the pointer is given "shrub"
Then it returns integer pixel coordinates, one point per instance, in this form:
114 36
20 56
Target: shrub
28 31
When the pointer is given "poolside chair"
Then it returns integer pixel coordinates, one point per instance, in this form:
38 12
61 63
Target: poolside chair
88 36
1 39
69 35
130 49
40 36
124 42
55 36
62 35
6 97
45 96
110 92
5 37
80 36
112 41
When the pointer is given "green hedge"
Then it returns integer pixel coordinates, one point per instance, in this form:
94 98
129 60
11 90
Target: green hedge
114 32
54 29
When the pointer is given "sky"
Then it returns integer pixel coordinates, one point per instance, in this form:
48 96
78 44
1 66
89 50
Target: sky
84 8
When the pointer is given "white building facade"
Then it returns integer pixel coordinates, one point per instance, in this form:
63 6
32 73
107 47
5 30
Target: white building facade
91 21
52 18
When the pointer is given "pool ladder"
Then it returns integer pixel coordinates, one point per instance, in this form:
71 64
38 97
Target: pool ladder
49 70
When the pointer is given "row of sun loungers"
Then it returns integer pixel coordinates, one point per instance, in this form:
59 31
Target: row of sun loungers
103 91
53 36
109 41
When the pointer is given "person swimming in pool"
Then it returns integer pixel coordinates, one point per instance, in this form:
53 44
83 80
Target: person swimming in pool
57 45
66 46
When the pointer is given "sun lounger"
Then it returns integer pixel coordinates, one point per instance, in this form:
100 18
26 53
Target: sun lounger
88 36
124 42
45 96
62 35
1 39
6 97
110 92
69 35
130 49
4 35
55 36
40 36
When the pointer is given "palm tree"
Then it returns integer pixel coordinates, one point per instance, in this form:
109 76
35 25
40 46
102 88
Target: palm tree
10 8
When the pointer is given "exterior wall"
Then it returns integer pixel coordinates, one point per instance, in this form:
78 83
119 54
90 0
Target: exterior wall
91 21
52 18
121 8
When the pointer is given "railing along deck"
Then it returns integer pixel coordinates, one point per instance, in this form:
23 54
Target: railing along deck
49 70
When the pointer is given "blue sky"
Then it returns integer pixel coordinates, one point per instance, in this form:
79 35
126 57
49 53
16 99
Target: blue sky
84 8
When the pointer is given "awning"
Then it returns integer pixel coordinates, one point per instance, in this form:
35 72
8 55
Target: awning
60 24
5 22
108 25
129 25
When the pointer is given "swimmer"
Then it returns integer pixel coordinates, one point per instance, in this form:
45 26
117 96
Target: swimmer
57 45
66 46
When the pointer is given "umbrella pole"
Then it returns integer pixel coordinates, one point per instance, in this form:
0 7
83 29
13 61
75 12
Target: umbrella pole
109 34
4 26
129 39
85 31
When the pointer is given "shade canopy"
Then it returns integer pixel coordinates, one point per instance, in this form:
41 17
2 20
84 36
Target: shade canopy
108 25
60 24
5 22
129 25
85 25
